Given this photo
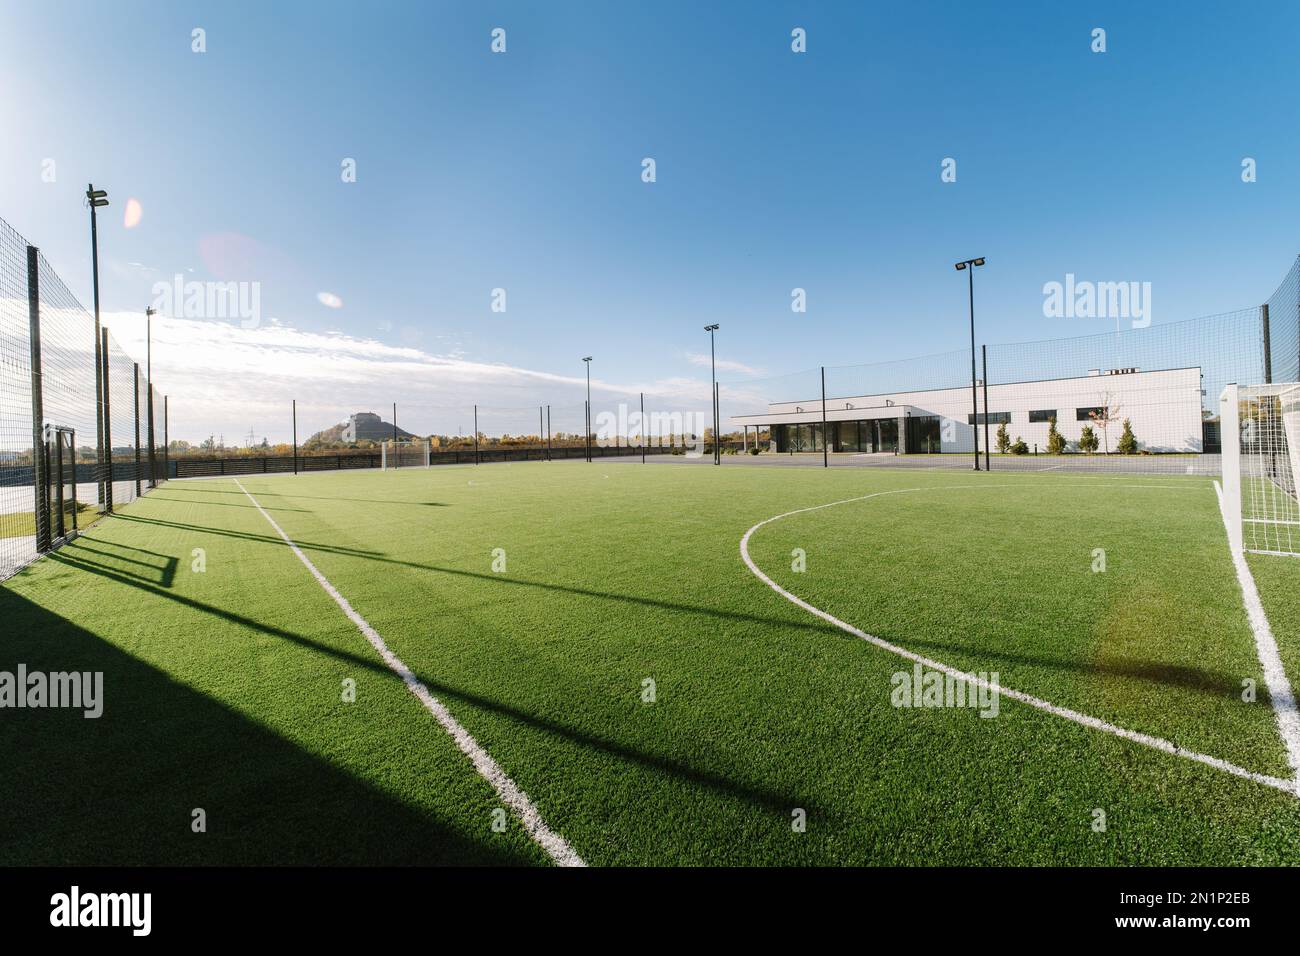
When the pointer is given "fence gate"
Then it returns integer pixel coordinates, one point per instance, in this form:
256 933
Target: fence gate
61 482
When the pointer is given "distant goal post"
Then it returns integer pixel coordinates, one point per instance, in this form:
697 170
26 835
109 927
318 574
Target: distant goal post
404 454
1261 464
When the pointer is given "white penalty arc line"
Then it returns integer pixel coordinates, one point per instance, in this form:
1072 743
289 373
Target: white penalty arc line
556 847
1095 723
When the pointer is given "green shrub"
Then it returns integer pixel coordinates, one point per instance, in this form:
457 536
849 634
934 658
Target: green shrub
1004 440
754 450
1088 440
1018 447
1128 443
1055 440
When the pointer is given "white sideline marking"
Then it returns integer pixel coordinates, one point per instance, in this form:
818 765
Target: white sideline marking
510 793
1279 688
1156 743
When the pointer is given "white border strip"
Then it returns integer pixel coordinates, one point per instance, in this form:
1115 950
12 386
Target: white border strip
510 793
1156 743
1279 688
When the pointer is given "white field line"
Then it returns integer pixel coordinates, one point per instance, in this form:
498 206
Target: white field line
1279 688
510 793
1156 743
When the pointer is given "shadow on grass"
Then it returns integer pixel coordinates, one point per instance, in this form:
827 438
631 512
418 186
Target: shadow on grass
271 494
120 789
1192 678
758 796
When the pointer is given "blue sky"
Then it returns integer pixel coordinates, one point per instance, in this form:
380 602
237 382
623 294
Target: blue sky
522 171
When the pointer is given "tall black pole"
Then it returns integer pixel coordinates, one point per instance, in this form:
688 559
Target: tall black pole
975 421
587 411
40 463
643 428
540 426
826 454
548 432
394 428
295 436
135 367
99 384
166 444
148 376
984 352
108 425
713 371
476 434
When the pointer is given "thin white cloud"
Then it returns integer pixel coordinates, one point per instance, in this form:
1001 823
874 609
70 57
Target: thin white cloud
726 365
224 379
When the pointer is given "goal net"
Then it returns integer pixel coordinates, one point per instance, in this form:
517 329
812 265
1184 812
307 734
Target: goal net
1261 465
404 454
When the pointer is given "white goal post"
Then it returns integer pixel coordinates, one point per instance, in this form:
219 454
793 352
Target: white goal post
404 454
1260 427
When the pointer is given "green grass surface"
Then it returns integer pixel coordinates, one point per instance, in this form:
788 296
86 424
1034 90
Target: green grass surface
223 687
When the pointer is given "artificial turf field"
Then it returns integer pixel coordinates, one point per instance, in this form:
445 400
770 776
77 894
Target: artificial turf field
224 687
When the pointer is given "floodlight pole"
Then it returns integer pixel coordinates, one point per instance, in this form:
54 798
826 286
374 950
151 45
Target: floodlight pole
394 426
642 429
548 432
968 265
713 368
295 436
539 425
476 434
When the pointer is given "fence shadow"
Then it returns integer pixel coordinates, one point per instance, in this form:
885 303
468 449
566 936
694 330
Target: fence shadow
120 789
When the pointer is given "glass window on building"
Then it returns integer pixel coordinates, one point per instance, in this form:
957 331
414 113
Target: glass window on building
923 435
847 436
888 434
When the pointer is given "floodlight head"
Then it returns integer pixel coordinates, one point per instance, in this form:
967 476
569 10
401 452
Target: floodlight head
961 266
979 261
712 328
99 202
96 194
586 358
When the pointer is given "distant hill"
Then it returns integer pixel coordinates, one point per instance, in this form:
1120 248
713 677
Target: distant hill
361 426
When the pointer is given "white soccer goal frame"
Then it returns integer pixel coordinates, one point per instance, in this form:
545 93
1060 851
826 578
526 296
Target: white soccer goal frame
389 462
1261 465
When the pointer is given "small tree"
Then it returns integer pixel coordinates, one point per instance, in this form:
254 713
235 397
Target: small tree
1019 447
1004 440
1128 443
1088 440
1055 440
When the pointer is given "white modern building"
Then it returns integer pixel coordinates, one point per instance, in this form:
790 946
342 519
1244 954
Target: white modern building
1164 407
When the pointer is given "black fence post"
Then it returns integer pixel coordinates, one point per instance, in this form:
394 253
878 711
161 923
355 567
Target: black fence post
1268 345
41 481
295 436
166 444
108 429
826 434
153 459
135 391
984 352
548 432
643 428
